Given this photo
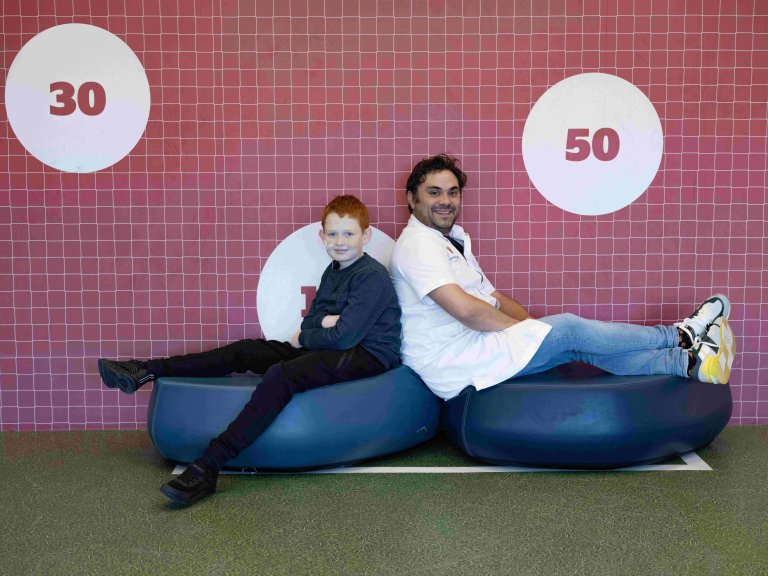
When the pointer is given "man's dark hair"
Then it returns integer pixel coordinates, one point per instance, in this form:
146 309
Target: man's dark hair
428 166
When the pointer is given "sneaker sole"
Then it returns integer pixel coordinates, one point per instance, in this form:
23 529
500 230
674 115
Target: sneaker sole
182 497
717 368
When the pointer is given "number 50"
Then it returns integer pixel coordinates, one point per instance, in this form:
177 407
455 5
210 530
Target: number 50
605 144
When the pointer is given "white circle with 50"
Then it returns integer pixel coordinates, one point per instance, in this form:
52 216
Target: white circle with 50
77 98
592 144
292 274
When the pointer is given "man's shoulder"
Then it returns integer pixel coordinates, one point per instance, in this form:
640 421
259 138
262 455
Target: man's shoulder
416 235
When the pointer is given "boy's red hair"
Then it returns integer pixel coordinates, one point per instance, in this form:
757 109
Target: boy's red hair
348 205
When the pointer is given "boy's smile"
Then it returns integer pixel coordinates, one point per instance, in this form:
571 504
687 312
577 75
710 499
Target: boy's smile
343 238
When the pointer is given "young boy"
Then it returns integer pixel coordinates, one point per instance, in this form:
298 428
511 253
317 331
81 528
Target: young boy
352 331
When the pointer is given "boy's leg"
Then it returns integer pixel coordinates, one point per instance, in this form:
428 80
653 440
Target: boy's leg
254 355
311 370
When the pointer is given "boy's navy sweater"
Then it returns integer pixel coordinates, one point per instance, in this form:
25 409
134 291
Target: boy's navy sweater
369 313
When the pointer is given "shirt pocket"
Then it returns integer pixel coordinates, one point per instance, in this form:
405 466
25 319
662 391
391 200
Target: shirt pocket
466 276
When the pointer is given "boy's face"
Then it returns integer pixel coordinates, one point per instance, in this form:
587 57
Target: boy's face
343 238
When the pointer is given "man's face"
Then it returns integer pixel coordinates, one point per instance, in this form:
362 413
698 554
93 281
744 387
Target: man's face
437 202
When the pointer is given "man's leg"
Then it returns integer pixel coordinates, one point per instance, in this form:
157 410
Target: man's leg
624 349
311 370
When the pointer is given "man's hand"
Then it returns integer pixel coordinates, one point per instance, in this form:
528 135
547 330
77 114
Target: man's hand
329 321
295 340
510 307
470 311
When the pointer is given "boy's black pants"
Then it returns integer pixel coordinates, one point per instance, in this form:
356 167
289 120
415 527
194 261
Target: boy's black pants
287 370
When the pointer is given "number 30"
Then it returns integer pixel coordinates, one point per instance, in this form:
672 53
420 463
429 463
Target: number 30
65 97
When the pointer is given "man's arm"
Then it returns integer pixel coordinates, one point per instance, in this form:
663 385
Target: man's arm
470 311
510 307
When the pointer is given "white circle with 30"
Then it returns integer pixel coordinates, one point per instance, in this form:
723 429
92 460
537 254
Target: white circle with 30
77 98
292 274
592 144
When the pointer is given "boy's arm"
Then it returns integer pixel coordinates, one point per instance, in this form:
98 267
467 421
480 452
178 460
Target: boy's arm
365 304
314 318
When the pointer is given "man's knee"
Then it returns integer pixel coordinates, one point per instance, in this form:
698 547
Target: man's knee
567 320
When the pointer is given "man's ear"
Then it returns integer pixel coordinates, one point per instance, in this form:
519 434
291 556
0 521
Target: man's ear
367 233
411 198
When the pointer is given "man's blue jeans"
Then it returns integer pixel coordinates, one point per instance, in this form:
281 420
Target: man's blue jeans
623 349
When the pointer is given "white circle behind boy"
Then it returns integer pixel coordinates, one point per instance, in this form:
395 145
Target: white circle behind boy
292 274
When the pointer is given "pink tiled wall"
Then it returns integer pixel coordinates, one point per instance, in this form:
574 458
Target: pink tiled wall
263 110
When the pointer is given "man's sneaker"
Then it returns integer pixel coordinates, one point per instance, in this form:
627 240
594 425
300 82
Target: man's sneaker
194 484
128 375
714 353
696 327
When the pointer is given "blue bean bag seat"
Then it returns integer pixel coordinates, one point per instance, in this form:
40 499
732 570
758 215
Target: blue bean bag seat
577 416
330 426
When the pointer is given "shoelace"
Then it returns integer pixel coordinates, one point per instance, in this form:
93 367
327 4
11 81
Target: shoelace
710 344
696 322
190 475
688 332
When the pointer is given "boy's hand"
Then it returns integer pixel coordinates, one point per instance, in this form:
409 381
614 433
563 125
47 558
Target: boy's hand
329 321
295 340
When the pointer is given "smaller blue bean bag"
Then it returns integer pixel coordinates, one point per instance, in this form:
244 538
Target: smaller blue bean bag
325 427
577 416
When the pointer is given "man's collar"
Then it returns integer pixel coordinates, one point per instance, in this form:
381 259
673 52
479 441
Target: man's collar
457 232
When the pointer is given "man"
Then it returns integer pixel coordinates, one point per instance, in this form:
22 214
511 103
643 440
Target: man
458 330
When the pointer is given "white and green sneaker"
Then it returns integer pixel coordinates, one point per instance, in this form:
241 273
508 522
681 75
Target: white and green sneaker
697 326
714 353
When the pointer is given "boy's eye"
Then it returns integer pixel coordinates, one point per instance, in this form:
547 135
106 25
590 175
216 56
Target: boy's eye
331 234
348 234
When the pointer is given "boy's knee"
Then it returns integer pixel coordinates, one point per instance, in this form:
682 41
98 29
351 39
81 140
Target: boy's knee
277 382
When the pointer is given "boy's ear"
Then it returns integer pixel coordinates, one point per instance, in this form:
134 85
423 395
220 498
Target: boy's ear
367 235
321 232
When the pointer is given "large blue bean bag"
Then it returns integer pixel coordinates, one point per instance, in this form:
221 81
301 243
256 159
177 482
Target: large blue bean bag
576 416
330 426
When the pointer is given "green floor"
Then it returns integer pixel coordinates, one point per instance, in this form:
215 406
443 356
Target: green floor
88 503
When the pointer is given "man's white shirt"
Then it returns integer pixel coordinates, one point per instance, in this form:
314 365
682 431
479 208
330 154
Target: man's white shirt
447 354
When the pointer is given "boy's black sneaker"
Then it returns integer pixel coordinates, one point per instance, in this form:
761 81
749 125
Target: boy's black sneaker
128 375
194 484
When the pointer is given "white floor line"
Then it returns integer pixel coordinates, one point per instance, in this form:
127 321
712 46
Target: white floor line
693 463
